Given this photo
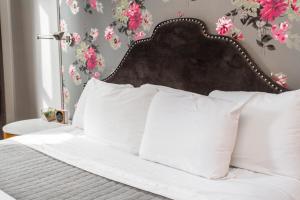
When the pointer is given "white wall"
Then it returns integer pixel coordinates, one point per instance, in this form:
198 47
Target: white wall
36 80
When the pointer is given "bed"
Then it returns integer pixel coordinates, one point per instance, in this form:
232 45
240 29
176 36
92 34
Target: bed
63 163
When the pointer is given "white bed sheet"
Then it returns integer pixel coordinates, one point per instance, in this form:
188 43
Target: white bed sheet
73 147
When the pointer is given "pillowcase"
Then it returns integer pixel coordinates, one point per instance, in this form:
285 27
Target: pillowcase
78 116
166 89
269 133
193 133
116 116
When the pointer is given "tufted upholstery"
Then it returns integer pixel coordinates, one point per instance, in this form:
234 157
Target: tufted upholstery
181 54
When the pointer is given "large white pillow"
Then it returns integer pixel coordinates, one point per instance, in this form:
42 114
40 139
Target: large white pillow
117 116
78 116
269 133
166 89
190 132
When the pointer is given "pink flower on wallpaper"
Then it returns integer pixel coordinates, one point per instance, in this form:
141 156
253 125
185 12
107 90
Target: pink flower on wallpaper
224 25
90 51
74 7
63 45
75 76
93 4
180 14
239 36
69 2
96 75
133 9
280 79
63 26
109 33
147 20
135 16
91 63
272 9
101 62
72 70
280 33
66 93
115 42
91 58
284 26
139 35
94 33
294 6
76 38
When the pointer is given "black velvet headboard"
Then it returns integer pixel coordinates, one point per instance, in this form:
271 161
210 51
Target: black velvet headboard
183 55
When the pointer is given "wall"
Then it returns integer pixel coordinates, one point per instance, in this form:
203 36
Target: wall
35 81
2 96
89 21
8 69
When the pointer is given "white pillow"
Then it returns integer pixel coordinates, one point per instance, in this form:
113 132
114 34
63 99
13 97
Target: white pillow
166 89
193 133
269 133
78 116
117 116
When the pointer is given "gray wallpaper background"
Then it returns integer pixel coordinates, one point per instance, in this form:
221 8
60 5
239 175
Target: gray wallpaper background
283 59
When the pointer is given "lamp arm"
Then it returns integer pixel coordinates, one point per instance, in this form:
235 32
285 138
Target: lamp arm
54 36
45 37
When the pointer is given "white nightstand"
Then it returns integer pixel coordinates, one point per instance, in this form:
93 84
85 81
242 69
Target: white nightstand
28 126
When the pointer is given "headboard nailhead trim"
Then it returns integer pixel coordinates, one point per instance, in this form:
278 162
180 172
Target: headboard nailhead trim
261 75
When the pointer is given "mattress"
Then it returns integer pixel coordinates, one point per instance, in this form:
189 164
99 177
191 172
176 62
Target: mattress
70 146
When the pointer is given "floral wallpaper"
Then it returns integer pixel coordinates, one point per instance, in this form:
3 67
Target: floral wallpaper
266 17
102 30
130 18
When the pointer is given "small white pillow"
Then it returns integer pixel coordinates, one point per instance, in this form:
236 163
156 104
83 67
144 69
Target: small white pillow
269 133
78 116
190 132
117 116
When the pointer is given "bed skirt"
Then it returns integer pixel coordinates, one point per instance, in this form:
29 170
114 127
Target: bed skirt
27 174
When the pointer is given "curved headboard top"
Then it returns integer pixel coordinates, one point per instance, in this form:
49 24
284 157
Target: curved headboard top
183 55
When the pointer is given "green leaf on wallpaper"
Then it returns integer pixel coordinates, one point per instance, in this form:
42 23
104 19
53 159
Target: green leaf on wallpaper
252 20
254 25
266 38
90 38
140 1
293 16
271 47
122 29
268 25
95 47
232 13
245 20
260 43
131 42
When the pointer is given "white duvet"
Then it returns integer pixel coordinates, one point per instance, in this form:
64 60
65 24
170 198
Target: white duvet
71 146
